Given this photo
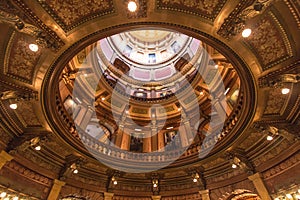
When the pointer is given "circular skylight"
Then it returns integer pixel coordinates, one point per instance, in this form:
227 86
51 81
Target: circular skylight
150 54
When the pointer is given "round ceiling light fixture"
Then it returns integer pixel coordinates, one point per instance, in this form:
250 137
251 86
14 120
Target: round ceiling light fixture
34 47
132 6
270 138
38 148
13 106
285 90
246 32
3 194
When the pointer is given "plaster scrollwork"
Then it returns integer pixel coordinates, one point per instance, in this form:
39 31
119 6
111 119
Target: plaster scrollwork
22 64
70 13
205 8
27 114
21 23
272 153
29 173
204 5
269 42
288 163
4 137
39 161
275 102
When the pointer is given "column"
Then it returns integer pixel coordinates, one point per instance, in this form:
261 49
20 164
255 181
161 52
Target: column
153 93
188 130
108 196
125 144
260 186
119 136
156 197
80 115
225 106
160 141
147 144
55 190
154 139
4 158
204 194
220 110
183 136
87 118
128 89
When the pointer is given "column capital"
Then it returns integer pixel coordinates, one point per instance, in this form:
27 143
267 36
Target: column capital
156 197
5 156
260 186
255 176
203 192
59 182
55 190
108 195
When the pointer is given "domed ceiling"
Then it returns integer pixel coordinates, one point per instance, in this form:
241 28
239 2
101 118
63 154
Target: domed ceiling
158 119
166 102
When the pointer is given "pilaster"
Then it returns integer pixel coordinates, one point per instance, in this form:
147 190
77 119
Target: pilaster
4 158
55 190
260 186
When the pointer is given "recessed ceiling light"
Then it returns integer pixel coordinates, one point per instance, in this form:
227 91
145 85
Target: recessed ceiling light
103 98
15 198
246 32
285 90
38 148
75 171
13 106
34 47
115 182
233 166
269 138
3 194
132 6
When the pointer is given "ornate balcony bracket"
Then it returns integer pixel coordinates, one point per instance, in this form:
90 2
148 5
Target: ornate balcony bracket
27 140
237 20
10 14
238 159
72 165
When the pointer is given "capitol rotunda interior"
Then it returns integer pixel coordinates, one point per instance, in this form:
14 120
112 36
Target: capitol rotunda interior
150 99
